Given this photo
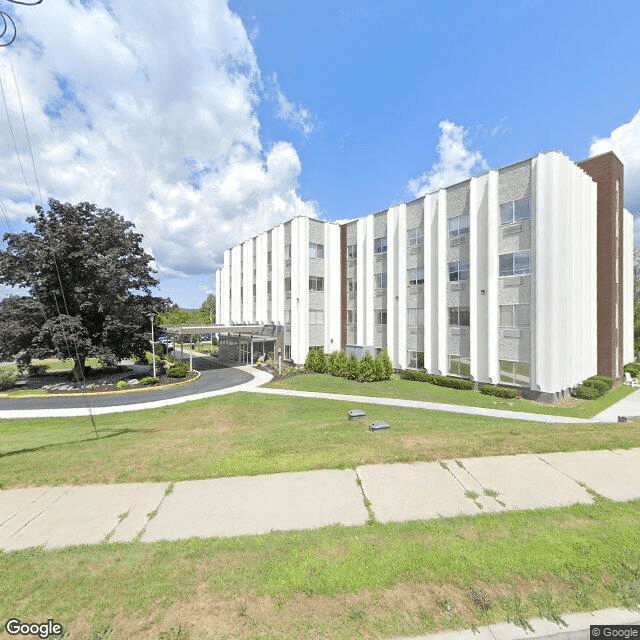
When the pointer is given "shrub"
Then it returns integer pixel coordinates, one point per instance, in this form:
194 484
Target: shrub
149 380
384 366
453 383
605 379
178 370
353 367
586 393
37 369
500 392
600 386
367 368
337 363
7 380
310 362
633 368
418 376
321 361
122 384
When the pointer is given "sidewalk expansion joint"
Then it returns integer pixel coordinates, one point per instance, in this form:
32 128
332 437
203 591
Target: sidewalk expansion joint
367 503
152 514
37 515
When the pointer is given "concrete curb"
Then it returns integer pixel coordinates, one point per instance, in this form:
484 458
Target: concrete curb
577 628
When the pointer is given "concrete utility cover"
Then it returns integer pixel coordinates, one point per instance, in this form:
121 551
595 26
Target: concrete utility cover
253 505
526 482
419 491
612 474
63 516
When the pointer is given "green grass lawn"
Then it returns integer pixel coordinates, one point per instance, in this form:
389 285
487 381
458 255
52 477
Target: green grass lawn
58 365
411 390
249 434
337 583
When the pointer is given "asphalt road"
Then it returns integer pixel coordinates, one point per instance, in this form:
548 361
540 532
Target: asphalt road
211 380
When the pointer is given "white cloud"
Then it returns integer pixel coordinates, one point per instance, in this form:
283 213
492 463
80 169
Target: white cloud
624 141
152 113
298 117
455 162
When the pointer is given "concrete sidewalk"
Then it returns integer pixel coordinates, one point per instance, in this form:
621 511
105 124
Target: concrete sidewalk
56 517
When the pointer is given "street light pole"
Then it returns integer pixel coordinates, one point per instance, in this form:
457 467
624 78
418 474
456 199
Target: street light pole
153 344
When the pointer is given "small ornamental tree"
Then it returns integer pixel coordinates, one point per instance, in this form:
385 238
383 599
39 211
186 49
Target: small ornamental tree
321 361
367 368
386 366
310 362
353 367
337 363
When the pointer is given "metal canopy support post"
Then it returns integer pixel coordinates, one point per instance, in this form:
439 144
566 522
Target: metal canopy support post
251 350
190 352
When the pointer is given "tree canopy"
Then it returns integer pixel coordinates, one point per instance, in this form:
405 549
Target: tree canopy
89 282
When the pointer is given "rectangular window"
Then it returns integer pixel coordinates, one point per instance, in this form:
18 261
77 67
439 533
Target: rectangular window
316 316
515 211
459 316
415 237
316 283
515 315
316 250
458 226
415 317
254 290
352 285
352 251
415 359
458 270
380 316
460 366
268 287
518 373
268 258
287 316
381 280
287 352
515 264
352 317
287 284
415 276
380 245
287 252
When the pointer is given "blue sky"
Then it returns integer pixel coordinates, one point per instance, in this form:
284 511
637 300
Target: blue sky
209 122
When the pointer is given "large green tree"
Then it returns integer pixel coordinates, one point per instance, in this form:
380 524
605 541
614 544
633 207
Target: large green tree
90 284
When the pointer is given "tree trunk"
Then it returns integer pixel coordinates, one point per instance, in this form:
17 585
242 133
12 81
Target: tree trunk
78 368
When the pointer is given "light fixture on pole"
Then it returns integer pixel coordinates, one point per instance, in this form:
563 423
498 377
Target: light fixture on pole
153 344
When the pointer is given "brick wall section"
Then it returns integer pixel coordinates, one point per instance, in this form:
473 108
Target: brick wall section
606 169
343 286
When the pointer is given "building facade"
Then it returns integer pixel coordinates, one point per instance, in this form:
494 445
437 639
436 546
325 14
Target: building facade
521 276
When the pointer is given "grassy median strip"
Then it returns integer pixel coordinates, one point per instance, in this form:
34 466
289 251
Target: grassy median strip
411 390
339 583
249 434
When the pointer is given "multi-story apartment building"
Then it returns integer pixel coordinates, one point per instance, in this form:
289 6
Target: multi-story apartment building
521 276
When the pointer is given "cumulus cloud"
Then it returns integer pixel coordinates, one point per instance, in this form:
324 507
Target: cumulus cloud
456 162
298 117
151 112
624 141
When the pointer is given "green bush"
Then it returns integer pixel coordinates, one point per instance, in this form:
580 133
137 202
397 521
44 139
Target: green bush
37 369
418 376
149 380
367 369
122 384
605 379
321 361
310 362
353 367
8 379
384 366
500 392
453 383
178 370
633 368
600 386
586 393
337 363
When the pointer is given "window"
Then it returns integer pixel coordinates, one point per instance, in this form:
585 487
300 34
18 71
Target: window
352 251
352 316
287 316
316 250
515 264
515 372
458 226
268 258
316 316
352 285
287 252
514 315
287 352
380 316
415 359
415 317
459 316
515 211
381 280
268 287
254 290
380 245
415 276
415 237
460 365
458 270
316 283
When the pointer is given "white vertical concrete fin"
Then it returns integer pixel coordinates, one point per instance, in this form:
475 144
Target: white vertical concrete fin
332 293
261 278
401 293
474 266
367 280
300 289
392 282
430 282
493 218
442 360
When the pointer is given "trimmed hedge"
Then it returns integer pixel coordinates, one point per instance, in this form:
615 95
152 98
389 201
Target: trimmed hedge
633 368
418 376
500 392
600 386
149 380
586 392
453 383
605 379
178 370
